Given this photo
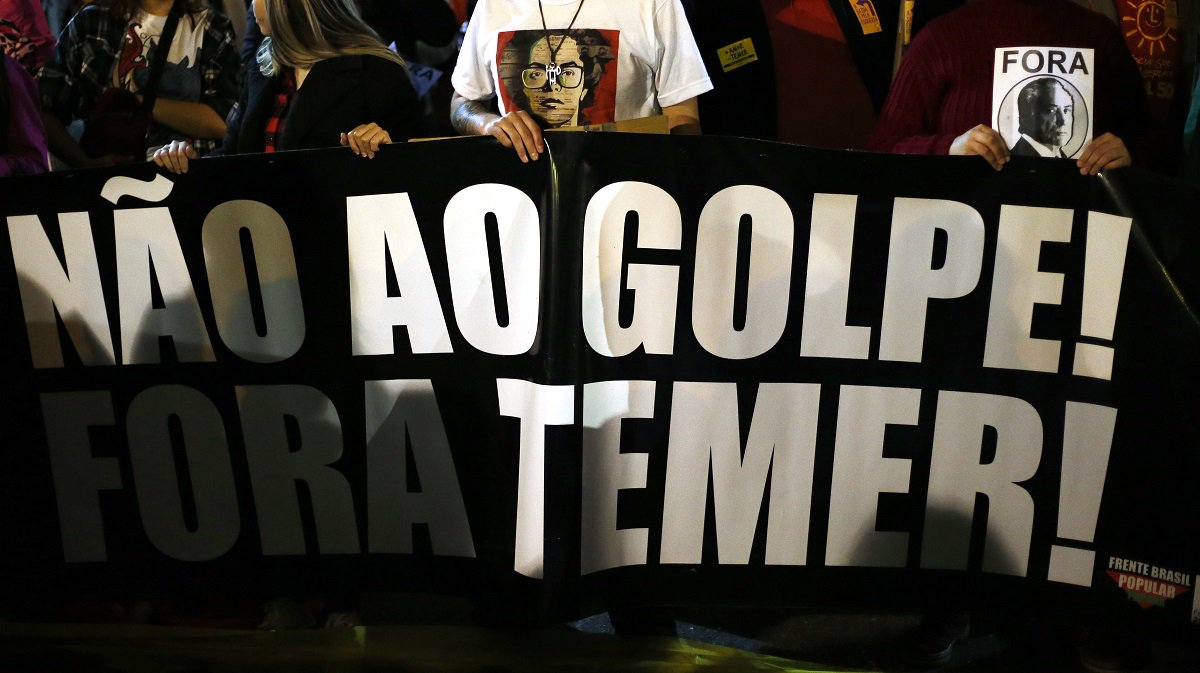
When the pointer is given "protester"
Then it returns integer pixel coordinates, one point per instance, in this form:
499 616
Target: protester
327 80
109 48
322 78
528 65
1162 37
400 24
812 73
940 101
23 140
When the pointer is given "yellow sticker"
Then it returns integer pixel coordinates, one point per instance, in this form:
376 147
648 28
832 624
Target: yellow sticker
868 18
737 55
908 18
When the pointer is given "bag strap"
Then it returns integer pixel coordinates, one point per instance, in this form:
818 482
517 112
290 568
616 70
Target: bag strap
150 94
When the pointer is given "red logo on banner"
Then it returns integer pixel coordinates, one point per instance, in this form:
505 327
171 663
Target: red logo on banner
1147 591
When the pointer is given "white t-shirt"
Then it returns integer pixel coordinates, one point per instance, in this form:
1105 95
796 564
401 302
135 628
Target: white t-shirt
181 76
508 54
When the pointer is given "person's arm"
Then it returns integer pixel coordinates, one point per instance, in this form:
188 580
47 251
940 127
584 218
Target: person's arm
472 113
70 85
175 156
198 120
908 122
982 141
1102 153
392 107
63 146
683 118
366 139
680 76
1121 109
26 136
60 93
517 129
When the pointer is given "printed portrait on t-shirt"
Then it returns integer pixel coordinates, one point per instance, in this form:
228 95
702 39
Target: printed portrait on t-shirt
180 79
561 78
1042 100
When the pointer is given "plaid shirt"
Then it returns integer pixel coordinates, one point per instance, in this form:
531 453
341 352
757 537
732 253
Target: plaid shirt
88 50
277 122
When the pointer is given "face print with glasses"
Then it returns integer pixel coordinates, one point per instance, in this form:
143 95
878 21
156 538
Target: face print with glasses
555 91
537 76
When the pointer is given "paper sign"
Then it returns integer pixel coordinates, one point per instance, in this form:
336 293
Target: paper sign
1042 100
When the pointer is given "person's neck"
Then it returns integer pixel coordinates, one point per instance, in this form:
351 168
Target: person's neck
301 74
157 7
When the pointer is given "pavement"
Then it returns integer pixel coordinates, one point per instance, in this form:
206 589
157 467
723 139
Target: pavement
725 641
883 642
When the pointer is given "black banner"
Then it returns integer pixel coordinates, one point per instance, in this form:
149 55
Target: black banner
639 370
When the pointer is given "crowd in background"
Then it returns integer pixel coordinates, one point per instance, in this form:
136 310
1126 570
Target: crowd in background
817 73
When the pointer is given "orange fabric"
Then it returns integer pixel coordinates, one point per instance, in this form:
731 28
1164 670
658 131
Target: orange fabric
822 101
814 17
460 9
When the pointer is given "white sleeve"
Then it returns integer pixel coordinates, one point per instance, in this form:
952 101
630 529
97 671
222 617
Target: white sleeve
472 76
681 74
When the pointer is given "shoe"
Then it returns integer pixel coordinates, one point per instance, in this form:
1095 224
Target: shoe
933 643
1110 651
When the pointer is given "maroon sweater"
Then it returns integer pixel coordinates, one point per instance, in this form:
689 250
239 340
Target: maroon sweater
944 86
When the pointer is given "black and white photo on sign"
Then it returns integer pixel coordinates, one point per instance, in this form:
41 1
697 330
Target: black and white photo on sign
1042 100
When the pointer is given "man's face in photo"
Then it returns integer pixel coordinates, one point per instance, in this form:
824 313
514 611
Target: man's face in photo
1053 116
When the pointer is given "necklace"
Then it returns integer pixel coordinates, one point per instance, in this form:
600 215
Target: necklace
553 70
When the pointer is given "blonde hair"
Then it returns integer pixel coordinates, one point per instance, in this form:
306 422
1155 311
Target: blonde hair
304 32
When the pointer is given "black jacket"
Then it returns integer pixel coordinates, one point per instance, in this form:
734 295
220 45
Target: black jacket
1022 148
406 22
743 101
338 95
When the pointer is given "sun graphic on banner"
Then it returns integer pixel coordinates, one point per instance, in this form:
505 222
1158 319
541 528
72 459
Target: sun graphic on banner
1152 22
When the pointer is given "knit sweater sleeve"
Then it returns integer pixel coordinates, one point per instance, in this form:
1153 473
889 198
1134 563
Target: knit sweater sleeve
908 123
